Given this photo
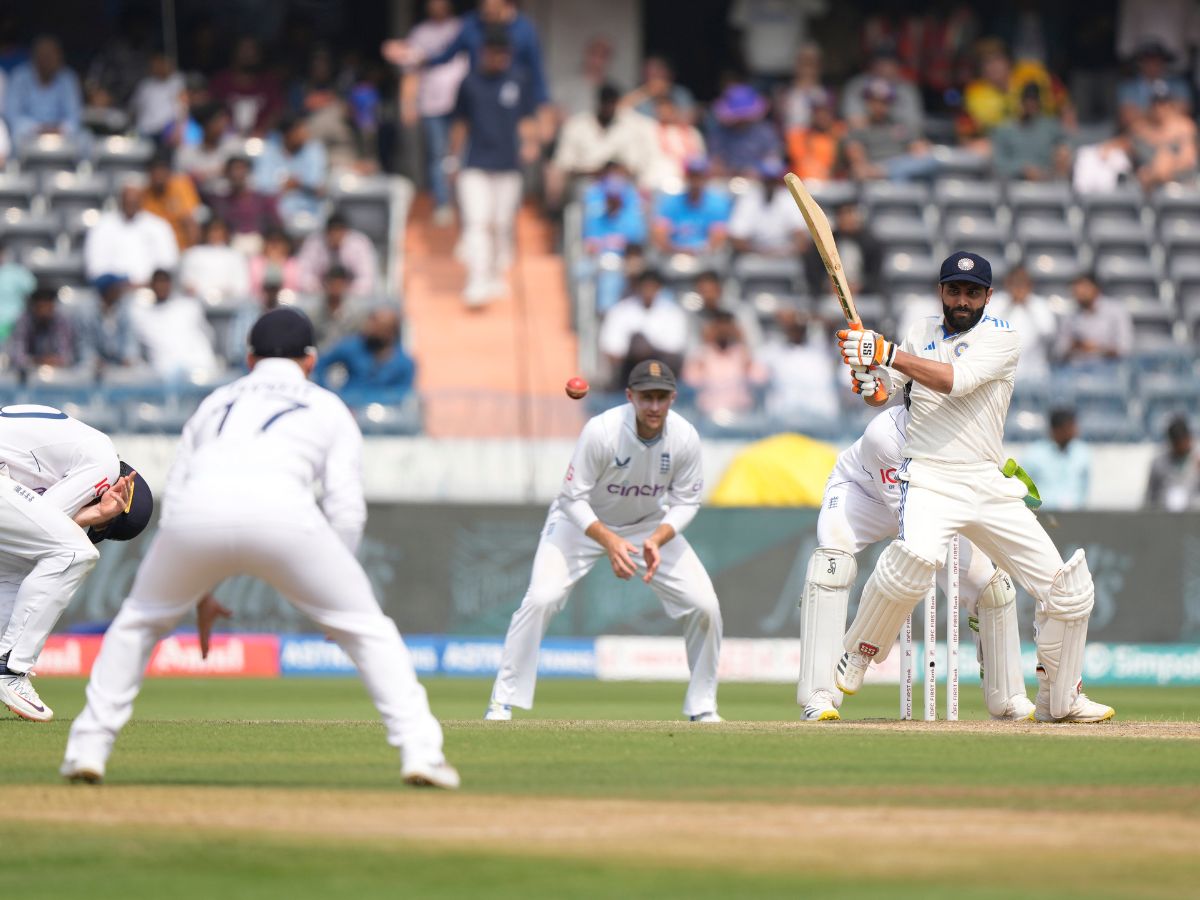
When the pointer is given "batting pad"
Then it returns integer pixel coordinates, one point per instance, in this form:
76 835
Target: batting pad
1062 632
823 619
901 578
1000 643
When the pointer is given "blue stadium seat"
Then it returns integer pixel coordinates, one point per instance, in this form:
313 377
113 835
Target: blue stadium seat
1166 393
1185 274
904 198
22 231
1121 428
832 194
17 189
53 386
118 155
389 418
1155 354
903 233
167 417
1039 201
133 384
773 274
1026 426
1176 203
69 193
1129 277
1036 237
1180 239
49 153
101 415
908 272
366 202
959 197
981 235
1123 204
1109 237
1052 275
55 270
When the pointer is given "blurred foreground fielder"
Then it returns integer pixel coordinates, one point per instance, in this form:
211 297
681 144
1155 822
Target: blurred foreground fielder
240 502
635 479
860 507
962 369
62 490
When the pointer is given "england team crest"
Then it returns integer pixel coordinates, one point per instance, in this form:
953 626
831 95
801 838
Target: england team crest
664 463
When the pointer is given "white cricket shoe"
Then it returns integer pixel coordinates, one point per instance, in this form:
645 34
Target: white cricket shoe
820 708
18 694
422 773
1018 709
498 712
1083 711
710 717
851 670
81 772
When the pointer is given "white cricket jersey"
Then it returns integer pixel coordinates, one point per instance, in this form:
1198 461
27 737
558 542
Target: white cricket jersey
967 425
262 445
618 478
67 462
873 460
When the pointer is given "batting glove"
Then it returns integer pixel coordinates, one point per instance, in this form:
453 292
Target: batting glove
863 381
865 348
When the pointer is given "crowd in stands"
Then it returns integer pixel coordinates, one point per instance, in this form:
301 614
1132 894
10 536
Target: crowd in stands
179 206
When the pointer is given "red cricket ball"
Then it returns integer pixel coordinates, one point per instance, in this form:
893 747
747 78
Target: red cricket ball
577 388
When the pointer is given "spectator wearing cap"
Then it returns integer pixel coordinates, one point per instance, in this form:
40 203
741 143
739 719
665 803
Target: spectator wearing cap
648 324
765 219
676 140
107 332
801 373
1174 484
1061 464
695 221
172 196
860 250
373 363
335 312
292 167
612 221
813 148
173 331
722 370
1032 147
493 135
907 107
214 271
204 161
1097 330
1164 140
589 140
427 95
1136 95
249 212
249 90
44 335
155 104
129 241
885 147
338 244
740 136
275 263
16 283
43 95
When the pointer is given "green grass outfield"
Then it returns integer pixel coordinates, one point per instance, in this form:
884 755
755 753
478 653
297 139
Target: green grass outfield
286 788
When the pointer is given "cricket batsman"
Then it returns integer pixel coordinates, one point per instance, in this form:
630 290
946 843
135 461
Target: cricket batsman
960 372
633 485
860 506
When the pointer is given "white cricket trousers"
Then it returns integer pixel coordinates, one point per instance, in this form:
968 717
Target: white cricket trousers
978 502
489 203
564 555
308 564
44 558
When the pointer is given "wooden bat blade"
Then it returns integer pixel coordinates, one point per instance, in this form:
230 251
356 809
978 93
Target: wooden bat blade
822 234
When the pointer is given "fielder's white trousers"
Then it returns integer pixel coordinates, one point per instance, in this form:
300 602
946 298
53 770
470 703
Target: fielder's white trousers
986 508
564 555
488 202
44 558
308 564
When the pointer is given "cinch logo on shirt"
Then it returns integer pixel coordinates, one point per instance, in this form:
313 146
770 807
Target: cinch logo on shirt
637 490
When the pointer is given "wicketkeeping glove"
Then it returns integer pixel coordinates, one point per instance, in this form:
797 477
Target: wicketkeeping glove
865 348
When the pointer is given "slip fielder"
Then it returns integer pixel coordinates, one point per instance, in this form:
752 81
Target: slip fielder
240 501
961 368
860 506
634 481
62 490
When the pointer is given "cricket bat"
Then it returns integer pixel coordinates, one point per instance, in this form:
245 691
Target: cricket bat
822 234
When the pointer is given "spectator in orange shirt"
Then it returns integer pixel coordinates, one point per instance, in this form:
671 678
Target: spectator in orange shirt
813 150
172 196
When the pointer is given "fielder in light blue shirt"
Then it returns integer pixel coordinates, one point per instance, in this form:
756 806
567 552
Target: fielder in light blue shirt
1061 466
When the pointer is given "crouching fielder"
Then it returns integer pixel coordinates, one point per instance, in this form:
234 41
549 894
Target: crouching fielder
961 370
633 485
859 508
239 501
